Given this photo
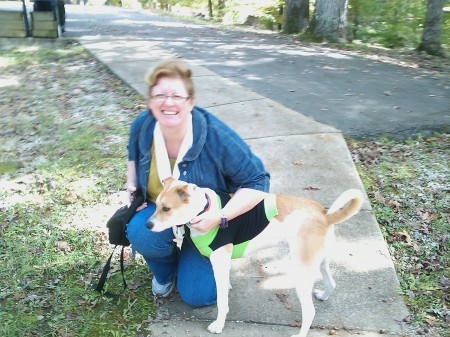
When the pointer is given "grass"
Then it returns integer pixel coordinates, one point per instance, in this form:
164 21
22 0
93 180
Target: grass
65 121
408 183
63 159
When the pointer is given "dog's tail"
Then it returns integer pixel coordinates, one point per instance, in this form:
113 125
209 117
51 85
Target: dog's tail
337 214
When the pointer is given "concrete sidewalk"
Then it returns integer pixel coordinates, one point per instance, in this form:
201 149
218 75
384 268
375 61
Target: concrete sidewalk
298 152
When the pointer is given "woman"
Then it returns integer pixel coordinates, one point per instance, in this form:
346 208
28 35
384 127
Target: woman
175 138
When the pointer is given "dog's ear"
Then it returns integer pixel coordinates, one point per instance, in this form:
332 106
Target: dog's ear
182 192
167 181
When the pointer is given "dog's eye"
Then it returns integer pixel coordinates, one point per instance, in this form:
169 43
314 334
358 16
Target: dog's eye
165 209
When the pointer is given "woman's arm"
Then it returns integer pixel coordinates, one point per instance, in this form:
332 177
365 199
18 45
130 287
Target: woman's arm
239 171
131 173
132 184
242 201
131 180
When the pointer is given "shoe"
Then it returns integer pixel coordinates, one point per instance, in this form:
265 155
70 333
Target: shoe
162 290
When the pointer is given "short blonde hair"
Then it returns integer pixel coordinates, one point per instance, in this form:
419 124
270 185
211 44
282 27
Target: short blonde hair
172 69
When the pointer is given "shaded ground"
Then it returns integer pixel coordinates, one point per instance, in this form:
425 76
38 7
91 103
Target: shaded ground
363 94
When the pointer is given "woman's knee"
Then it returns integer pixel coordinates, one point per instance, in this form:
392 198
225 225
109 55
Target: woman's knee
196 283
136 228
196 295
147 243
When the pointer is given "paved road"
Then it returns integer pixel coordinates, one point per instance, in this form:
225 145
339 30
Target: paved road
361 97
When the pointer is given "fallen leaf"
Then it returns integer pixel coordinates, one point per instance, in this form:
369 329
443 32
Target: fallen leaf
62 246
311 187
445 282
18 297
431 320
63 333
410 293
92 305
135 284
32 298
405 237
396 204
295 324
435 312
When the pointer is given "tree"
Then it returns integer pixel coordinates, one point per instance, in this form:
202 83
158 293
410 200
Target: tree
296 16
330 20
221 7
431 36
210 7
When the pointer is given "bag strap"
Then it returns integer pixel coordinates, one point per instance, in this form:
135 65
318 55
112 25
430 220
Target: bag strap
101 283
139 199
122 268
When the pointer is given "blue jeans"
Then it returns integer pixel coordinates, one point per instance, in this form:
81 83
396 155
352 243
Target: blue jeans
195 277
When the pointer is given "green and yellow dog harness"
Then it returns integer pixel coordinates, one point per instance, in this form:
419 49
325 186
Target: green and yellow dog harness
241 230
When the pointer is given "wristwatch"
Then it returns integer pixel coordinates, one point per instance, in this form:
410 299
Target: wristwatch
223 221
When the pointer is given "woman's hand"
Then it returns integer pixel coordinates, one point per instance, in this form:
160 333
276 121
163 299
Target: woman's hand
242 201
206 221
131 189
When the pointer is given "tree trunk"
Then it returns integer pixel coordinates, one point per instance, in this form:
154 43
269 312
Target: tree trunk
431 36
220 8
330 17
354 18
210 6
296 16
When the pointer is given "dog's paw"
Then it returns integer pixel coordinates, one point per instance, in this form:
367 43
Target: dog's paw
321 294
216 327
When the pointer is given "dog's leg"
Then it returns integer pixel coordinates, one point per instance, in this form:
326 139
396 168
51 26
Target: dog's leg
330 284
221 263
304 287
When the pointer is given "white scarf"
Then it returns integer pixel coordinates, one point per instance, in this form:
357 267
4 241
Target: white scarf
162 157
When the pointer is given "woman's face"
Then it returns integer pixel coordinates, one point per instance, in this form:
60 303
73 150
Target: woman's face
169 102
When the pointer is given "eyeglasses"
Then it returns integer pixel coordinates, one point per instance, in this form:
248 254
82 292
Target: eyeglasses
162 98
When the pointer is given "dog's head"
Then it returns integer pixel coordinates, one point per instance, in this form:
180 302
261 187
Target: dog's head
177 204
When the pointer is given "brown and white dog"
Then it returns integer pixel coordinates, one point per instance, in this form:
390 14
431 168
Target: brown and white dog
306 226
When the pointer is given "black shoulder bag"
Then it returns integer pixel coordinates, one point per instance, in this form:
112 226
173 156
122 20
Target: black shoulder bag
117 227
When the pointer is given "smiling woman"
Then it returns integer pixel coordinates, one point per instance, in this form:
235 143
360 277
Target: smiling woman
174 138
171 104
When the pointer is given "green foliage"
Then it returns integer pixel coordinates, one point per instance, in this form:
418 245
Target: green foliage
389 23
117 3
273 15
165 4
445 37
392 24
